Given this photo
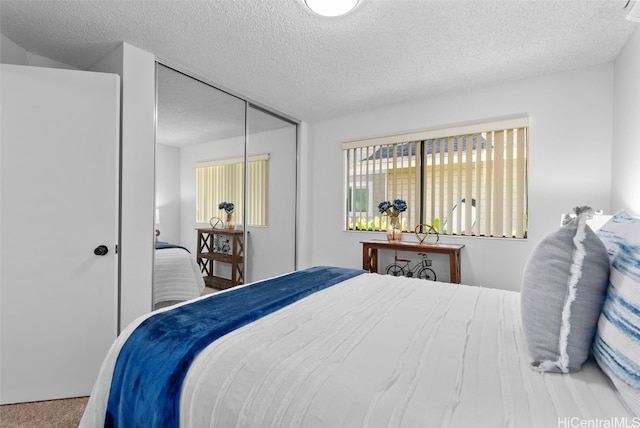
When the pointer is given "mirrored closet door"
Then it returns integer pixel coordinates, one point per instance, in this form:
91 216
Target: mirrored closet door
271 193
214 151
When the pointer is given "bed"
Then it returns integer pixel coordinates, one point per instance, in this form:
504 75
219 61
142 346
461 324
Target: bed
338 347
176 276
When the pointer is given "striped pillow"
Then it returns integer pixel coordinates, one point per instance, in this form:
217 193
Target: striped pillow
617 342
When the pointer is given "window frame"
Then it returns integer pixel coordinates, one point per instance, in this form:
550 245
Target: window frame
511 136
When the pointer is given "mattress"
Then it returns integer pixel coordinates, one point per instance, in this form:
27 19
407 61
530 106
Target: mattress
176 277
381 351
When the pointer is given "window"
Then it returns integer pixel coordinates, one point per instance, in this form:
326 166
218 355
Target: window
222 181
470 180
358 200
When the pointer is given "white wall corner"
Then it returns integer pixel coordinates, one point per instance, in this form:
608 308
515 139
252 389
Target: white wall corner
305 219
136 68
12 53
625 192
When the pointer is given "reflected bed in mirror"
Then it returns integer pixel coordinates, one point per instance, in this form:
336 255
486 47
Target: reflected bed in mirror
176 275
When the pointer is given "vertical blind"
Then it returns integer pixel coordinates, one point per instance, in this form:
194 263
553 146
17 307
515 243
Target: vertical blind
380 173
469 180
223 181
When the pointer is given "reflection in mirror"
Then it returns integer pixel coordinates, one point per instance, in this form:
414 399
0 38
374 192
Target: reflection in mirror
196 124
200 164
271 194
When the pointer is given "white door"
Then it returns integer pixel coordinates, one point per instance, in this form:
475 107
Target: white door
59 191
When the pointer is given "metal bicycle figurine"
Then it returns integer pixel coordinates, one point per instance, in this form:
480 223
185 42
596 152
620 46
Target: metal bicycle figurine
401 267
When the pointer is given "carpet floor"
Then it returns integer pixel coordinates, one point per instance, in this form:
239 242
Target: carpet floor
43 414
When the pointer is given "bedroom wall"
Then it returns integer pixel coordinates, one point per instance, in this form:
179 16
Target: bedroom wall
625 188
569 164
168 192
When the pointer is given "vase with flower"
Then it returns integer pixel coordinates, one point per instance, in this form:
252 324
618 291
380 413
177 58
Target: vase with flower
394 224
228 208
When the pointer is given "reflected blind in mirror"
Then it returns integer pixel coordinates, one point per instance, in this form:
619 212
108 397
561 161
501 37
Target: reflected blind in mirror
222 181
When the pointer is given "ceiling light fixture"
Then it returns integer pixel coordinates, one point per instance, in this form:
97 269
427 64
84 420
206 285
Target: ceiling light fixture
331 7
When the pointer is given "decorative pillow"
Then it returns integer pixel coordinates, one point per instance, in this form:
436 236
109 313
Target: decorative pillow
563 290
617 342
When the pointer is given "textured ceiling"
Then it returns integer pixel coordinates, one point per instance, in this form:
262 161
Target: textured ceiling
277 53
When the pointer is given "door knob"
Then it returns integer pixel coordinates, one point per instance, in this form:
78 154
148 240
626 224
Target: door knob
101 250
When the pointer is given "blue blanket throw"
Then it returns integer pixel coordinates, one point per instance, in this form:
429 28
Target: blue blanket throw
160 245
148 375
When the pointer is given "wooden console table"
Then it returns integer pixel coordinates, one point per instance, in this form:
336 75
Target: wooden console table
370 254
232 253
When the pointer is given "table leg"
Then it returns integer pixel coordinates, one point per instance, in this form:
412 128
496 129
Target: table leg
374 260
365 258
454 267
370 259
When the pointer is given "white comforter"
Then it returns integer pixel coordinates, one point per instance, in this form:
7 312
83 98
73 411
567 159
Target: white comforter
381 351
176 276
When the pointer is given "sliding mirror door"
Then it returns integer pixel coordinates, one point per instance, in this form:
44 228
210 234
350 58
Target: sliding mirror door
271 194
214 148
200 152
